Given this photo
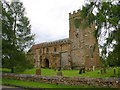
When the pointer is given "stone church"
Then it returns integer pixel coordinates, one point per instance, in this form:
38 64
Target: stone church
80 49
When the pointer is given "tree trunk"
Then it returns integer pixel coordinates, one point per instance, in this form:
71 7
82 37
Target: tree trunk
12 70
104 69
114 71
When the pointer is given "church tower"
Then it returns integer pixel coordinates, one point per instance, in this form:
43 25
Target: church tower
84 47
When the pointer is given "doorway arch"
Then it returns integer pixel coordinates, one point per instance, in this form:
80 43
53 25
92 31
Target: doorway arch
46 63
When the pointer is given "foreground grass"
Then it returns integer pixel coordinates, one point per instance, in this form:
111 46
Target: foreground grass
28 84
72 73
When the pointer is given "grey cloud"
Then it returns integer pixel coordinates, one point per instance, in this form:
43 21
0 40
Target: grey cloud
50 18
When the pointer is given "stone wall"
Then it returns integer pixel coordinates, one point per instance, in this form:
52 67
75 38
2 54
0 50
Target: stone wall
97 82
51 51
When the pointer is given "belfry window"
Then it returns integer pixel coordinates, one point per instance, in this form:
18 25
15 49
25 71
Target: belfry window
77 23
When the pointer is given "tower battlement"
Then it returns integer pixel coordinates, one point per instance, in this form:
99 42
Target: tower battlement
74 14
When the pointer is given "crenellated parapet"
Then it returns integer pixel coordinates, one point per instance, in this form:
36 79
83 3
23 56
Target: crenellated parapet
74 14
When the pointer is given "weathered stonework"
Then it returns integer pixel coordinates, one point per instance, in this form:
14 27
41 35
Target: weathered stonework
80 49
97 82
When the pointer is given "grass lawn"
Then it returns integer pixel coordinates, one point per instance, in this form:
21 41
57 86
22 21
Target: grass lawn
28 84
51 72
72 73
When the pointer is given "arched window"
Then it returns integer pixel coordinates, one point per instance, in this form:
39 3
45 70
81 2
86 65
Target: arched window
46 63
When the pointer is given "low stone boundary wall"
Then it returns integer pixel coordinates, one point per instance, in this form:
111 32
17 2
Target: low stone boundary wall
98 82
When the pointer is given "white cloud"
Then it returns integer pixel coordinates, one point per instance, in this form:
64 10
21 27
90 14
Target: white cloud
50 18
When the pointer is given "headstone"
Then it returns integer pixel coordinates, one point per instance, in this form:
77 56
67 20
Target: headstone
93 68
89 69
104 69
38 71
59 68
55 69
82 70
114 71
101 71
59 73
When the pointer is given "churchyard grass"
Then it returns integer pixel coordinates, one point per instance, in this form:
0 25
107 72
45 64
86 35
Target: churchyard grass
6 70
27 84
73 73
52 72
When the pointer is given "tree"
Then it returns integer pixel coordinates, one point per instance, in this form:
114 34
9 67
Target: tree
106 18
16 36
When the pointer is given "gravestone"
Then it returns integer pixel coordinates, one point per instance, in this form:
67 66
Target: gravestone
104 69
93 68
114 71
38 71
59 73
101 71
59 68
82 70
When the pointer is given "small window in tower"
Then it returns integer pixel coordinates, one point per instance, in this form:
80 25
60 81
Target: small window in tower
77 23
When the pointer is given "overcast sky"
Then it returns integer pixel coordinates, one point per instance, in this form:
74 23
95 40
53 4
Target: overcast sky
50 18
